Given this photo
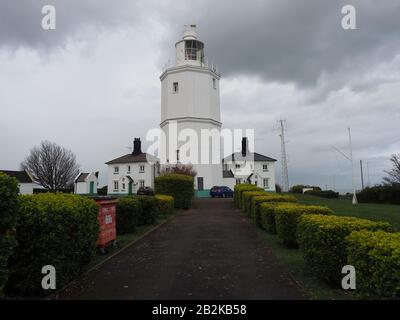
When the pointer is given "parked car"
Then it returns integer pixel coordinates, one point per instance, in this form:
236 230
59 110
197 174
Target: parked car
221 192
145 191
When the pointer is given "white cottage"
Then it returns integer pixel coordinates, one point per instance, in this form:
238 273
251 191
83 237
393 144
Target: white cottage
131 171
25 181
86 183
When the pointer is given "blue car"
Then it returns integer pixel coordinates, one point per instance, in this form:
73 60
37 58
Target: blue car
221 192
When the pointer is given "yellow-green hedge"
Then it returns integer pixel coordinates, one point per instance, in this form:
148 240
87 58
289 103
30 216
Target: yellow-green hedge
246 199
322 240
286 217
268 197
165 204
267 215
376 258
239 189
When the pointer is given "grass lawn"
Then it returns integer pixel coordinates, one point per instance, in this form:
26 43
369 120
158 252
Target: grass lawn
381 212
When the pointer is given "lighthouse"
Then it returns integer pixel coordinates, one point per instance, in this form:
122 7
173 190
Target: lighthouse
190 111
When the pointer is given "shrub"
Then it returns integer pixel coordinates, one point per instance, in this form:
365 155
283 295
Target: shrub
8 219
239 189
246 199
330 194
322 240
53 229
165 204
380 194
376 258
127 214
148 210
286 217
267 215
268 197
179 186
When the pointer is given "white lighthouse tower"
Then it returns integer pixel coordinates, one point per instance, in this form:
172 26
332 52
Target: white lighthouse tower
190 102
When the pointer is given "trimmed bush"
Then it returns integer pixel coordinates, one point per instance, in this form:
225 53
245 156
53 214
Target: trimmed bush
179 186
239 189
298 188
148 210
286 217
246 199
376 258
8 220
323 242
330 194
267 215
127 214
165 204
268 197
53 229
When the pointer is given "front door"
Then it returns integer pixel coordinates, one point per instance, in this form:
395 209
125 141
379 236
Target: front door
91 187
130 188
200 183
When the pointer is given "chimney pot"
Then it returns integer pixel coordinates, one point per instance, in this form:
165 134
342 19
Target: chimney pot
137 147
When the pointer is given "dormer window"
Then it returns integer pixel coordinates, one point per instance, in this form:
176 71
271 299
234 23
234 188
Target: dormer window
175 87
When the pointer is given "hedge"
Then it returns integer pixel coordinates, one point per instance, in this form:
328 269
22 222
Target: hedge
330 194
286 217
179 186
127 214
53 229
298 188
267 215
268 197
165 204
322 240
239 189
380 194
148 210
8 219
376 258
246 199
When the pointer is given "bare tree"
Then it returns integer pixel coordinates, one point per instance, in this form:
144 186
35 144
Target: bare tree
394 174
51 165
186 169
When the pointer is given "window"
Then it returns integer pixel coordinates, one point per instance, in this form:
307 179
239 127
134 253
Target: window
141 183
265 167
175 87
141 168
115 185
214 83
123 186
177 155
116 170
255 182
129 169
266 183
237 166
238 181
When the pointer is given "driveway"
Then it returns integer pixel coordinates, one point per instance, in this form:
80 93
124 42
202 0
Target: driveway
208 252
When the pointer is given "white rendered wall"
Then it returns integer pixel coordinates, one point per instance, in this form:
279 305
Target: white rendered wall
26 188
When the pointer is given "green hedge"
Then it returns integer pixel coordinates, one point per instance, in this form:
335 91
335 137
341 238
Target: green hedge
127 214
165 204
246 199
8 219
53 229
376 258
380 194
298 188
286 217
179 186
268 197
239 189
267 215
148 210
330 194
322 240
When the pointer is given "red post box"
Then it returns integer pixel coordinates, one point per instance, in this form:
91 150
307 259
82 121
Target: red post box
107 223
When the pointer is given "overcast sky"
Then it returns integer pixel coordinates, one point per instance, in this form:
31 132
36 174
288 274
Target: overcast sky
93 84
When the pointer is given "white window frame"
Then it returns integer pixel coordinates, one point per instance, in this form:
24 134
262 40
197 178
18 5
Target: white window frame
237 166
266 185
265 168
141 183
214 83
116 170
238 181
116 186
129 169
141 168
